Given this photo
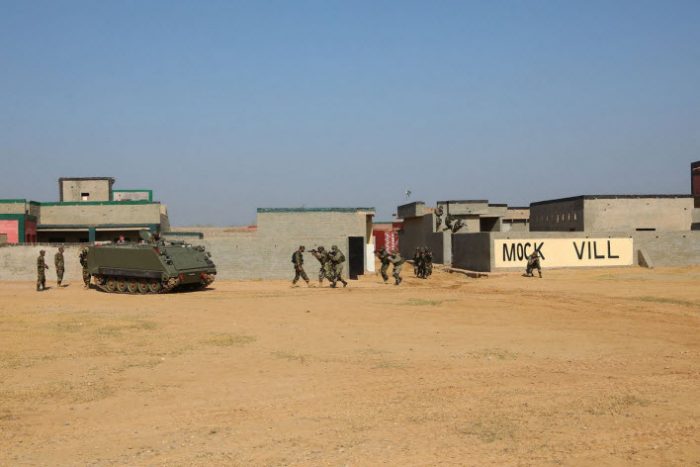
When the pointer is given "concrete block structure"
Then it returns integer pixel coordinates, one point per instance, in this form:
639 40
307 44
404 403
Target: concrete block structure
87 212
85 188
265 252
607 213
420 227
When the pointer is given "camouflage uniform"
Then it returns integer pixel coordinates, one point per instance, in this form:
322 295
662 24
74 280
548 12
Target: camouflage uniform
325 271
60 264
533 262
448 222
397 261
438 218
84 264
337 259
41 268
417 261
298 260
428 257
383 256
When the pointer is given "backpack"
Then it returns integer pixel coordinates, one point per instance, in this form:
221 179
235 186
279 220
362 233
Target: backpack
293 259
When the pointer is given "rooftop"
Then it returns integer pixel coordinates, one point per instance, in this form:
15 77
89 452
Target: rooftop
263 210
583 197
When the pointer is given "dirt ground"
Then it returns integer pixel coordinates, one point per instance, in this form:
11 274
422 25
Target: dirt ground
583 367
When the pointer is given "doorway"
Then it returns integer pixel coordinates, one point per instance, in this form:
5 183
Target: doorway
356 256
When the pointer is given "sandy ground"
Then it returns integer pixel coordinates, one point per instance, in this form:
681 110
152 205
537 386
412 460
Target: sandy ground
585 367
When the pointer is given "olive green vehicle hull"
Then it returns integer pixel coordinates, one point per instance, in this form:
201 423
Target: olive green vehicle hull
150 268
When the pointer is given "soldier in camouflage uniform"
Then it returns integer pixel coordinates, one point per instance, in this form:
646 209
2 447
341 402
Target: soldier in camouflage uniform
383 256
428 258
439 212
337 259
449 220
84 264
325 271
397 261
60 264
533 262
41 268
298 260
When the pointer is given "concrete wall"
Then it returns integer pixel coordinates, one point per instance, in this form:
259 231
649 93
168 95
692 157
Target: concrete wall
619 214
3 239
132 195
563 216
100 190
474 251
13 208
18 262
91 214
416 209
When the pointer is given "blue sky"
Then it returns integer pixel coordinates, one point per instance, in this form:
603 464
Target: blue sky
225 106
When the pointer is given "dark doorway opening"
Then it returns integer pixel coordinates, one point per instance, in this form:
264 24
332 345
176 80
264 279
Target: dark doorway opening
488 224
356 256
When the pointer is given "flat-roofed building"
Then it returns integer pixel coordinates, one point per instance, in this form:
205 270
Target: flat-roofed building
608 213
87 212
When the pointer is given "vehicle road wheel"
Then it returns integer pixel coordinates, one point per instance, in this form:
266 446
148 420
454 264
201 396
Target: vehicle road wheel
111 284
154 286
132 286
121 286
143 287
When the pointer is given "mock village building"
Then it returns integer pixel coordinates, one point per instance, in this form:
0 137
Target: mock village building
89 210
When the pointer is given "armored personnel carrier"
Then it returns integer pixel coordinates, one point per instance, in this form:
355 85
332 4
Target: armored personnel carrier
150 267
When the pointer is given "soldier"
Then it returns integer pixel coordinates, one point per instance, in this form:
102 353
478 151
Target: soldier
41 268
449 219
397 261
417 261
298 260
60 264
383 256
428 258
533 262
324 272
84 264
337 259
457 225
438 217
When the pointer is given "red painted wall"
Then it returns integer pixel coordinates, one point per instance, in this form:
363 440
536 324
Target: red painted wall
30 231
11 228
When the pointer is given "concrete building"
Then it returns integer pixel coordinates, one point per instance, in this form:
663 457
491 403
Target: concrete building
613 213
420 224
695 179
87 212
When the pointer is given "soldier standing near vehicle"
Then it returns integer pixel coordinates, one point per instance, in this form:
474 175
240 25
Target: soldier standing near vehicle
60 264
41 268
337 259
383 256
397 261
84 264
533 262
298 260
324 272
